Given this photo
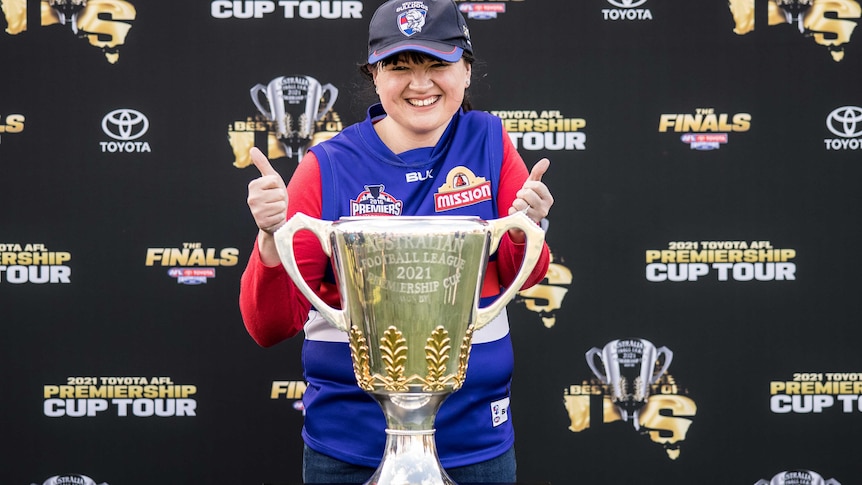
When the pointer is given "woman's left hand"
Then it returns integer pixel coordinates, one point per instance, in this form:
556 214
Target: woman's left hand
534 198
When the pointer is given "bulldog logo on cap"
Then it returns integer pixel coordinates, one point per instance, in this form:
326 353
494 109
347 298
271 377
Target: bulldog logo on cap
412 21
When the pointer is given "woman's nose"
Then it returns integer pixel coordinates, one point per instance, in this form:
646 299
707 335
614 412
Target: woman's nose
420 79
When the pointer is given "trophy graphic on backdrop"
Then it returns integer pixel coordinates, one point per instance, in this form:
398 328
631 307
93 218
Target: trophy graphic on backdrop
409 289
629 369
68 10
794 11
293 103
798 477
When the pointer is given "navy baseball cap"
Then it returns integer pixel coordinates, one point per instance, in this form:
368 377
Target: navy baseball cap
433 27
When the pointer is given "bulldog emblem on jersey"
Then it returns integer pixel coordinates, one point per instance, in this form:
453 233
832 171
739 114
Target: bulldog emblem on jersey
462 188
375 202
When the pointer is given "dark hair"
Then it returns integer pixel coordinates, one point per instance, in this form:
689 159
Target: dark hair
417 58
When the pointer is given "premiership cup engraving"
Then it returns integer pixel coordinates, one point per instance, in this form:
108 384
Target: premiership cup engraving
293 103
410 289
629 369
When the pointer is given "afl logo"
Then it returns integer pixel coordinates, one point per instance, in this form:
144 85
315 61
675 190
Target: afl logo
125 124
845 121
627 3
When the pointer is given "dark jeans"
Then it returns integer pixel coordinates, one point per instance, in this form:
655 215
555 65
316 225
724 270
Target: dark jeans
320 468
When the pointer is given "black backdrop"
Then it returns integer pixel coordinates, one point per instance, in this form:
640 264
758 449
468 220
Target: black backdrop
763 380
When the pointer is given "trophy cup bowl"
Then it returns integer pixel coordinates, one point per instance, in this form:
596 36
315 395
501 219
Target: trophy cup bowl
409 288
629 367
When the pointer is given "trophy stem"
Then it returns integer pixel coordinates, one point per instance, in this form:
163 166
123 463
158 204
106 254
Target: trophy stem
410 456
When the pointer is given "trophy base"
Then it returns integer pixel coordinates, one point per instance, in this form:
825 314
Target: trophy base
410 458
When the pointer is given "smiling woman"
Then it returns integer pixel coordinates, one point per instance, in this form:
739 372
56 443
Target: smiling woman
419 94
420 152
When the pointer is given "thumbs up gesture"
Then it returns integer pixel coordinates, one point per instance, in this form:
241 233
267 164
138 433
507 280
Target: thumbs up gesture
534 198
267 195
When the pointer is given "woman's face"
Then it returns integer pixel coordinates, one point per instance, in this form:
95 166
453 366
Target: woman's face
421 96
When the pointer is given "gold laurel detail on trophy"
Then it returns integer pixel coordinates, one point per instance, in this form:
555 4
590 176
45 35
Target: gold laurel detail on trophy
437 355
621 390
640 389
394 354
304 125
463 357
359 351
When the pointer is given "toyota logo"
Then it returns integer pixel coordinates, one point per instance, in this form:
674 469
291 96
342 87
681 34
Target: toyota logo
845 121
627 3
125 124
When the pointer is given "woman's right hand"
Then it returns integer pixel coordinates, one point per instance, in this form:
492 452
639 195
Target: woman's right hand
267 200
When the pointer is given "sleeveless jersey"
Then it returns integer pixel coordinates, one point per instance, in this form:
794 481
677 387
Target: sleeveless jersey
360 176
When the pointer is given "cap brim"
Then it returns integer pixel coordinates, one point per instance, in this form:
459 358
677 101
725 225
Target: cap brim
446 53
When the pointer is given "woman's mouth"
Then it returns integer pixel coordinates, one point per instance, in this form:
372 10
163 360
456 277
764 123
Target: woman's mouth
423 102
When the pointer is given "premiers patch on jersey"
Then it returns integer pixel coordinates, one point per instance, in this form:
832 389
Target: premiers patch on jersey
462 188
375 202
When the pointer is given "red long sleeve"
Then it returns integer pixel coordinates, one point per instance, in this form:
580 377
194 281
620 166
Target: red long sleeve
272 307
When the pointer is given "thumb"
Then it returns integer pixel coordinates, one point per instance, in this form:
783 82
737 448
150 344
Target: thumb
261 162
538 170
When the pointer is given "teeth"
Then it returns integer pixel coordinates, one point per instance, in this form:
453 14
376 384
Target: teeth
424 102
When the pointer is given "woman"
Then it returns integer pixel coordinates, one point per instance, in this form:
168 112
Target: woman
420 61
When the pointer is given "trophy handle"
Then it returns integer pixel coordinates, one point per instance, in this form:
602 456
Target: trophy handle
668 356
255 97
533 249
761 482
591 361
333 95
284 244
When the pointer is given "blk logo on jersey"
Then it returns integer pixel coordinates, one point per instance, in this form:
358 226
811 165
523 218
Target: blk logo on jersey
462 188
375 202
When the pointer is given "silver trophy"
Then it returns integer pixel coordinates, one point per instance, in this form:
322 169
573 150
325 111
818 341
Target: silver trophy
629 369
67 10
798 477
794 11
410 290
295 104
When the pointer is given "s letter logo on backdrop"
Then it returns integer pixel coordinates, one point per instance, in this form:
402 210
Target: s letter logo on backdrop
104 23
829 22
11 123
